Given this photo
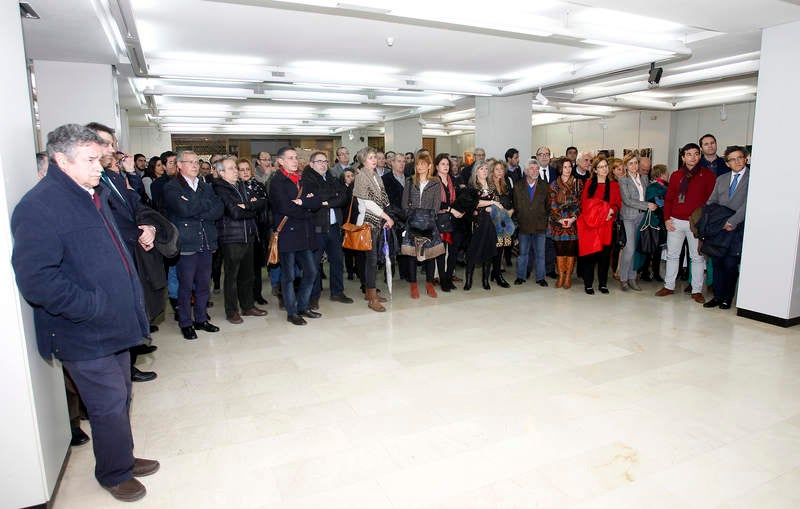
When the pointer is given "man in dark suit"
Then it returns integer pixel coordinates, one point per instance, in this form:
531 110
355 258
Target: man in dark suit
72 266
394 182
548 173
327 226
730 190
291 208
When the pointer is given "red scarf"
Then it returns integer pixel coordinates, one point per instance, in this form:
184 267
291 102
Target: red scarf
294 177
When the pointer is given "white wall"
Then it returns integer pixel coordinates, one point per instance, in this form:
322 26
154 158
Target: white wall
502 123
403 135
75 93
770 270
148 141
691 124
34 431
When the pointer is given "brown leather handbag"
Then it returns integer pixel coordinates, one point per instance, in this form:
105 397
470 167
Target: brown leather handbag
357 238
274 256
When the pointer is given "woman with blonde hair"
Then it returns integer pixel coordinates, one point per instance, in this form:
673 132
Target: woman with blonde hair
372 201
632 188
502 185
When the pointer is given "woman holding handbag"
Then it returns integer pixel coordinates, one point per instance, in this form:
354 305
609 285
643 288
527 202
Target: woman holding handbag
372 201
565 206
422 241
448 220
632 187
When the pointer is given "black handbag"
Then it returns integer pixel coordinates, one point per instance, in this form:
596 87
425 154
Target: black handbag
444 222
649 235
421 221
619 230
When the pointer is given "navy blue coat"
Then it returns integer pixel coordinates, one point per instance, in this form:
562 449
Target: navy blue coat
86 305
193 213
298 232
237 225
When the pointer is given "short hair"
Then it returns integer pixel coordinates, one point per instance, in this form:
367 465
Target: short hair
550 152
66 138
390 152
282 151
658 171
410 154
362 154
479 148
735 148
42 161
339 149
244 160
263 152
533 160
703 137
137 156
690 146
183 152
510 153
571 148
315 154
166 155
628 157
97 126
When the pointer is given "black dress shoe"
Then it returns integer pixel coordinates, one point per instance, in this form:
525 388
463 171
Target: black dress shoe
144 349
153 328
724 305
542 282
712 303
310 313
78 437
589 291
296 319
261 300
340 297
209 304
313 304
188 332
519 281
142 376
206 326
604 290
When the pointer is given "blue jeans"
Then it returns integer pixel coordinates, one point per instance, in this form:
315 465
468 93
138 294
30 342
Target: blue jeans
297 303
526 242
172 282
330 243
105 388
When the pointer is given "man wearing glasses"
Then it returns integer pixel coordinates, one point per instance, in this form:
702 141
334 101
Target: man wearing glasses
193 207
263 167
342 162
730 191
327 222
548 173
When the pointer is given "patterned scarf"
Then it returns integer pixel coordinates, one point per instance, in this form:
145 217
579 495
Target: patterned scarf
687 176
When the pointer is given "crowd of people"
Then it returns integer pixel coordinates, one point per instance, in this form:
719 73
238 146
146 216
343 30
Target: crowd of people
175 223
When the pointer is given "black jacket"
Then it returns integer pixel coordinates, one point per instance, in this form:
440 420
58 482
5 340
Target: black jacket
237 225
298 232
193 213
394 189
328 189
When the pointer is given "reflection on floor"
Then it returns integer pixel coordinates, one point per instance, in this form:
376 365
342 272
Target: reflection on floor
527 397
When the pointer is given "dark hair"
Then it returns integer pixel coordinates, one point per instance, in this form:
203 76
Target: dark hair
315 154
560 164
439 159
570 148
593 187
282 151
735 148
410 154
137 156
166 155
707 135
510 153
150 171
690 146
97 126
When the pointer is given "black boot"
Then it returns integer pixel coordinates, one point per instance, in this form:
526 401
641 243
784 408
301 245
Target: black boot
497 274
174 304
485 276
468 276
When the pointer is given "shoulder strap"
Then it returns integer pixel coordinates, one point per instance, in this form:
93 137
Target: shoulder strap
350 211
283 221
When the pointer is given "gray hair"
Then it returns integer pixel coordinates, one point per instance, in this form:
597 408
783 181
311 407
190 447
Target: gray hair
219 166
361 156
473 179
533 160
68 137
181 153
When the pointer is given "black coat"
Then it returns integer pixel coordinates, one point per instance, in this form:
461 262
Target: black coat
298 232
237 225
394 189
329 190
193 213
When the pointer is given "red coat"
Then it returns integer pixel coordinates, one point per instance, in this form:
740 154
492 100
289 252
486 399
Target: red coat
594 230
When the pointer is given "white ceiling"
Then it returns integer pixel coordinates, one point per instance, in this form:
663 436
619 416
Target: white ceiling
319 67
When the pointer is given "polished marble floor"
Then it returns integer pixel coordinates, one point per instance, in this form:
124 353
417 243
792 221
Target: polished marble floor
525 397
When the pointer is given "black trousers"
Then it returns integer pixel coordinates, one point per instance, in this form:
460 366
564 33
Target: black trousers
601 260
427 265
238 289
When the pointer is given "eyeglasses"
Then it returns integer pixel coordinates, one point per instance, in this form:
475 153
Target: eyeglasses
193 163
320 161
732 159
542 153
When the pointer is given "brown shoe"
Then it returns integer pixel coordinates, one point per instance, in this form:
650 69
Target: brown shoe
128 491
664 291
143 467
235 318
254 311
374 303
698 297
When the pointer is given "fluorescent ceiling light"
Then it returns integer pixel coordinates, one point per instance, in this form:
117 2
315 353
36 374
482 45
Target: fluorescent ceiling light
545 71
208 79
210 59
340 68
616 20
630 46
444 75
710 63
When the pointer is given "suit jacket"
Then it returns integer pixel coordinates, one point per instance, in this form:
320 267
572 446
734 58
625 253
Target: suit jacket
86 303
532 214
298 232
738 201
631 205
552 174
394 189
328 189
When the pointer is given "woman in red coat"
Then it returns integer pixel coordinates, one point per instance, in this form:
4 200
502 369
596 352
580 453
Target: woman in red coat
600 204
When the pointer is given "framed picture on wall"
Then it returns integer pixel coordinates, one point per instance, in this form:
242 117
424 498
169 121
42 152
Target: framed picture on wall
608 152
640 152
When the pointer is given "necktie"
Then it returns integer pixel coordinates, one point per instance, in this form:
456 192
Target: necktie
733 184
96 201
544 174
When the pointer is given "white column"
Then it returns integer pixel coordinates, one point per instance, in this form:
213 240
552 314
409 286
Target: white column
403 135
75 93
34 431
502 123
769 287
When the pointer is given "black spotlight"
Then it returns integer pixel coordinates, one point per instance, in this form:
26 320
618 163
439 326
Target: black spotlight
655 74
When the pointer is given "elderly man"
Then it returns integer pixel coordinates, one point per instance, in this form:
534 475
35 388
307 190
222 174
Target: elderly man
72 266
292 212
689 188
532 206
263 170
193 208
583 167
547 170
342 162
645 164
730 191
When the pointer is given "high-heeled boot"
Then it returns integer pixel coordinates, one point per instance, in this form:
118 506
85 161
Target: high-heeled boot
497 274
485 270
468 275
561 266
569 267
